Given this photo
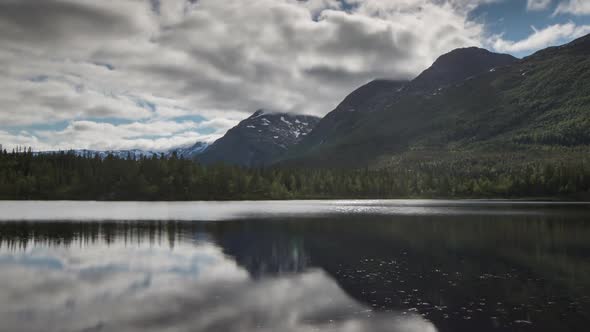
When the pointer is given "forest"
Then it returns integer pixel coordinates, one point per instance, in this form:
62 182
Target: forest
25 175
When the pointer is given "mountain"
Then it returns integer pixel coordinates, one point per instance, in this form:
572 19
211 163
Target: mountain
351 112
471 104
359 107
259 139
124 154
459 65
191 151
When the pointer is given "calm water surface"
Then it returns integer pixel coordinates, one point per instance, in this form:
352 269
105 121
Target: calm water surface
295 266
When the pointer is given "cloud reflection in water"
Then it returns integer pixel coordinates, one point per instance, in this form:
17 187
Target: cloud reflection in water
191 287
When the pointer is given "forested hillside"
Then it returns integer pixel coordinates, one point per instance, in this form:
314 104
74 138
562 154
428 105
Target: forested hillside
537 105
68 176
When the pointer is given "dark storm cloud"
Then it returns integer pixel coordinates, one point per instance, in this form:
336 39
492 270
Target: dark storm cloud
330 74
341 76
50 21
360 35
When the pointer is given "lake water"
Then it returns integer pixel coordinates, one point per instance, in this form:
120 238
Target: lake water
346 266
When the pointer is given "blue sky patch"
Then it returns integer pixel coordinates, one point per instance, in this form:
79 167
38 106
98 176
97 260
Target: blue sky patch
512 19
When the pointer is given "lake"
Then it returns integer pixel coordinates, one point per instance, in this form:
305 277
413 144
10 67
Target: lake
397 265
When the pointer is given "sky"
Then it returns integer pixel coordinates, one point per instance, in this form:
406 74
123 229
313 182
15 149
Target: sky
159 74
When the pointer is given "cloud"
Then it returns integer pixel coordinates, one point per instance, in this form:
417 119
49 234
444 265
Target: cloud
575 7
540 38
154 61
538 5
83 25
152 135
35 100
124 282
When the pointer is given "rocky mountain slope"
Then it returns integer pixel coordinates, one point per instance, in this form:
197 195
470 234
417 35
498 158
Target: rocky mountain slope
192 151
259 140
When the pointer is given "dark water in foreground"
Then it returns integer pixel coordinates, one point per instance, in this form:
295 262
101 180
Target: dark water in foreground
295 266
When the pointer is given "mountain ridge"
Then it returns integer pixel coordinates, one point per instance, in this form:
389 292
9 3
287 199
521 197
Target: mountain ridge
506 105
458 65
430 82
259 139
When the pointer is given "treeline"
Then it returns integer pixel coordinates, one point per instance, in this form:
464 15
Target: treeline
67 176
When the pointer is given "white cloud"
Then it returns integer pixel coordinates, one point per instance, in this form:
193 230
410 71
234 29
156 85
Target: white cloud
540 38
534 5
154 61
84 134
575 7
141 286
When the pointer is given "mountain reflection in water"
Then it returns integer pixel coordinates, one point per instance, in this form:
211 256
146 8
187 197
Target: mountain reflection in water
464 272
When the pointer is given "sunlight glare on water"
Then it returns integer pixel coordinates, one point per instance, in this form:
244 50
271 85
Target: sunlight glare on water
216 211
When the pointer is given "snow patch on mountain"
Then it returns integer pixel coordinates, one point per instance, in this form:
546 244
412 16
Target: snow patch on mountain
186 152
259 139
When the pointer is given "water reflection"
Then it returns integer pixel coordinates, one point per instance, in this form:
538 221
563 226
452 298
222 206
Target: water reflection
441 272
217 211
157 276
